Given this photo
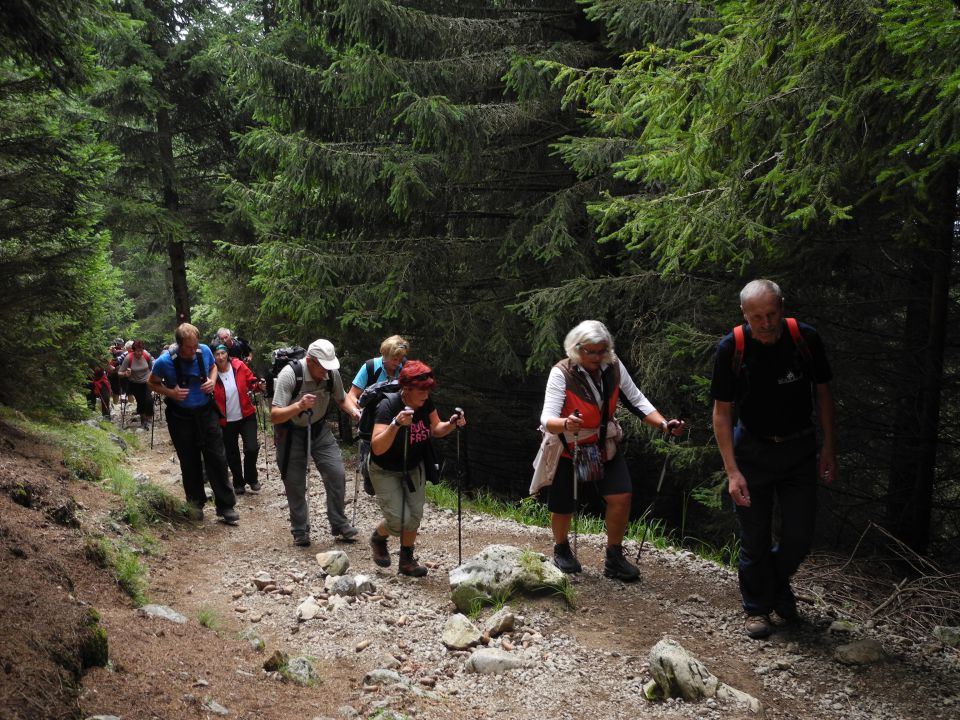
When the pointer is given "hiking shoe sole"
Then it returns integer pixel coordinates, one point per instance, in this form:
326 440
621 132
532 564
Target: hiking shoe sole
302 541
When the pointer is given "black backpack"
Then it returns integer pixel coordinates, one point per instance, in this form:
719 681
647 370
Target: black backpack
281 358
369 400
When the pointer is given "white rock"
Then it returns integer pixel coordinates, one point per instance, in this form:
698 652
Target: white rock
334 562
493 661
459 633
163 612
308 609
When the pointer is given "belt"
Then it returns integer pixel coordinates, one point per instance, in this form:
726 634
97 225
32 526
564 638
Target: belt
777 439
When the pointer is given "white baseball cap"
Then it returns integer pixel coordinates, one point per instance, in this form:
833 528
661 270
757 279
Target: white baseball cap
322 351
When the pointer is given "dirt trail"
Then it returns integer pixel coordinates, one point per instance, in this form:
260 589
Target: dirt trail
589 663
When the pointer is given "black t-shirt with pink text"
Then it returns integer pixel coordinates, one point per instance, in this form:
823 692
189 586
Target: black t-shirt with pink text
419 434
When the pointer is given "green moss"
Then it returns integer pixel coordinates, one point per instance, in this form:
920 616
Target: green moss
22 495
94 647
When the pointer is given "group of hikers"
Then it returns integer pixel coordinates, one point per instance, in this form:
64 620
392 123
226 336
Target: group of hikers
770 382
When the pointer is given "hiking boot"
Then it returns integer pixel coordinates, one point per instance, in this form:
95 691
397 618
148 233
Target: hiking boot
347 533
758 626
378 545
254 487
618 567
563 558
409 565
194 512
788 614
239 490
229 516
301 540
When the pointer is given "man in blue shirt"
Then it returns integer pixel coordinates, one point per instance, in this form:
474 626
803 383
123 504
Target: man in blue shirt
187 379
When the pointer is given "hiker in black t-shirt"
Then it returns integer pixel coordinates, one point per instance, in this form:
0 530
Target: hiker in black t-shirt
774 372
400 452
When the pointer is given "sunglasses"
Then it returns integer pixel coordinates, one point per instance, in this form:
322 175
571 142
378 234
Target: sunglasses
421 377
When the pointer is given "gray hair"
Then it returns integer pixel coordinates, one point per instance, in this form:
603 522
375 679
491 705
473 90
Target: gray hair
221 331
589 332
756 288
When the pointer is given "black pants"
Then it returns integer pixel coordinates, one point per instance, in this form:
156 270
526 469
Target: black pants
782 479
243 473
198 441
144 398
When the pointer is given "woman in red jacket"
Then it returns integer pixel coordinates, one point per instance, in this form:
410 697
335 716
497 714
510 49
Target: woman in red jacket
235 383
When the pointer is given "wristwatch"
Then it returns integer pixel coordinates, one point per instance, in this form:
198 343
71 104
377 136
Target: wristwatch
394 422
664 425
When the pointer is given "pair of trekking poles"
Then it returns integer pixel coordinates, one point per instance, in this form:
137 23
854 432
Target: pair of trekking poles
576 484
407 485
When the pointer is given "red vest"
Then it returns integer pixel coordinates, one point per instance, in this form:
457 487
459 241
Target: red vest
580 397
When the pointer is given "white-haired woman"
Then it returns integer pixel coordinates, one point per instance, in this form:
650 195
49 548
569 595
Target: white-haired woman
581 397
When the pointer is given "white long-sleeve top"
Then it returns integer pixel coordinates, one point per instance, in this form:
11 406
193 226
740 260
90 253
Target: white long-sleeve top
556 392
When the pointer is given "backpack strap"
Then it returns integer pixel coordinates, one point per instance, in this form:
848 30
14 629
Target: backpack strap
799 340
297 366
371 373
738 344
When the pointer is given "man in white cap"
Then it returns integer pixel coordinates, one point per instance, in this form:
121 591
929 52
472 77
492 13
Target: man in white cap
300 399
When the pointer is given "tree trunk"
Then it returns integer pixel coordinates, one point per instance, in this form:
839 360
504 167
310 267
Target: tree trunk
171 203
913 468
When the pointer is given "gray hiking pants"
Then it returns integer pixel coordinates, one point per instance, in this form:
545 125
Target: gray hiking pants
329 462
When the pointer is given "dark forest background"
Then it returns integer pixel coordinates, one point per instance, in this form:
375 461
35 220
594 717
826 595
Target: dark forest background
481 176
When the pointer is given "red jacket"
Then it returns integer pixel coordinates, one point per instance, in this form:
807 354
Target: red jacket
246 380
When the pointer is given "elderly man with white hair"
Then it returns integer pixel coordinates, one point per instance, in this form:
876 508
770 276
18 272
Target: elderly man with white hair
773 370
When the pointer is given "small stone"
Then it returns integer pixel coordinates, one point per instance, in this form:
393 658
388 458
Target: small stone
362 645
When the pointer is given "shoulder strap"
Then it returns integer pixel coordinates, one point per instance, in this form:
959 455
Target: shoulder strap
738 342
371 373
297 366
799 340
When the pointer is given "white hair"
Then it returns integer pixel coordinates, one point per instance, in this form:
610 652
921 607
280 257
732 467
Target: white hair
589 332
756 288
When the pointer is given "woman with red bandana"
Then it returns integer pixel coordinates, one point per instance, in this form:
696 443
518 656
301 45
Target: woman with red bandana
399 450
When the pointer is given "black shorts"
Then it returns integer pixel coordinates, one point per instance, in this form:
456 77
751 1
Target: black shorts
615 481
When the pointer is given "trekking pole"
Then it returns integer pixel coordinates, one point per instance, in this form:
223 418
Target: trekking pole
356 494
152 424
263 426
458 412
123 410
404 482
306 477
646 514
576 482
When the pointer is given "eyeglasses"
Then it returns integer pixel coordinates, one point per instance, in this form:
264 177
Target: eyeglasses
421 377
594 352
